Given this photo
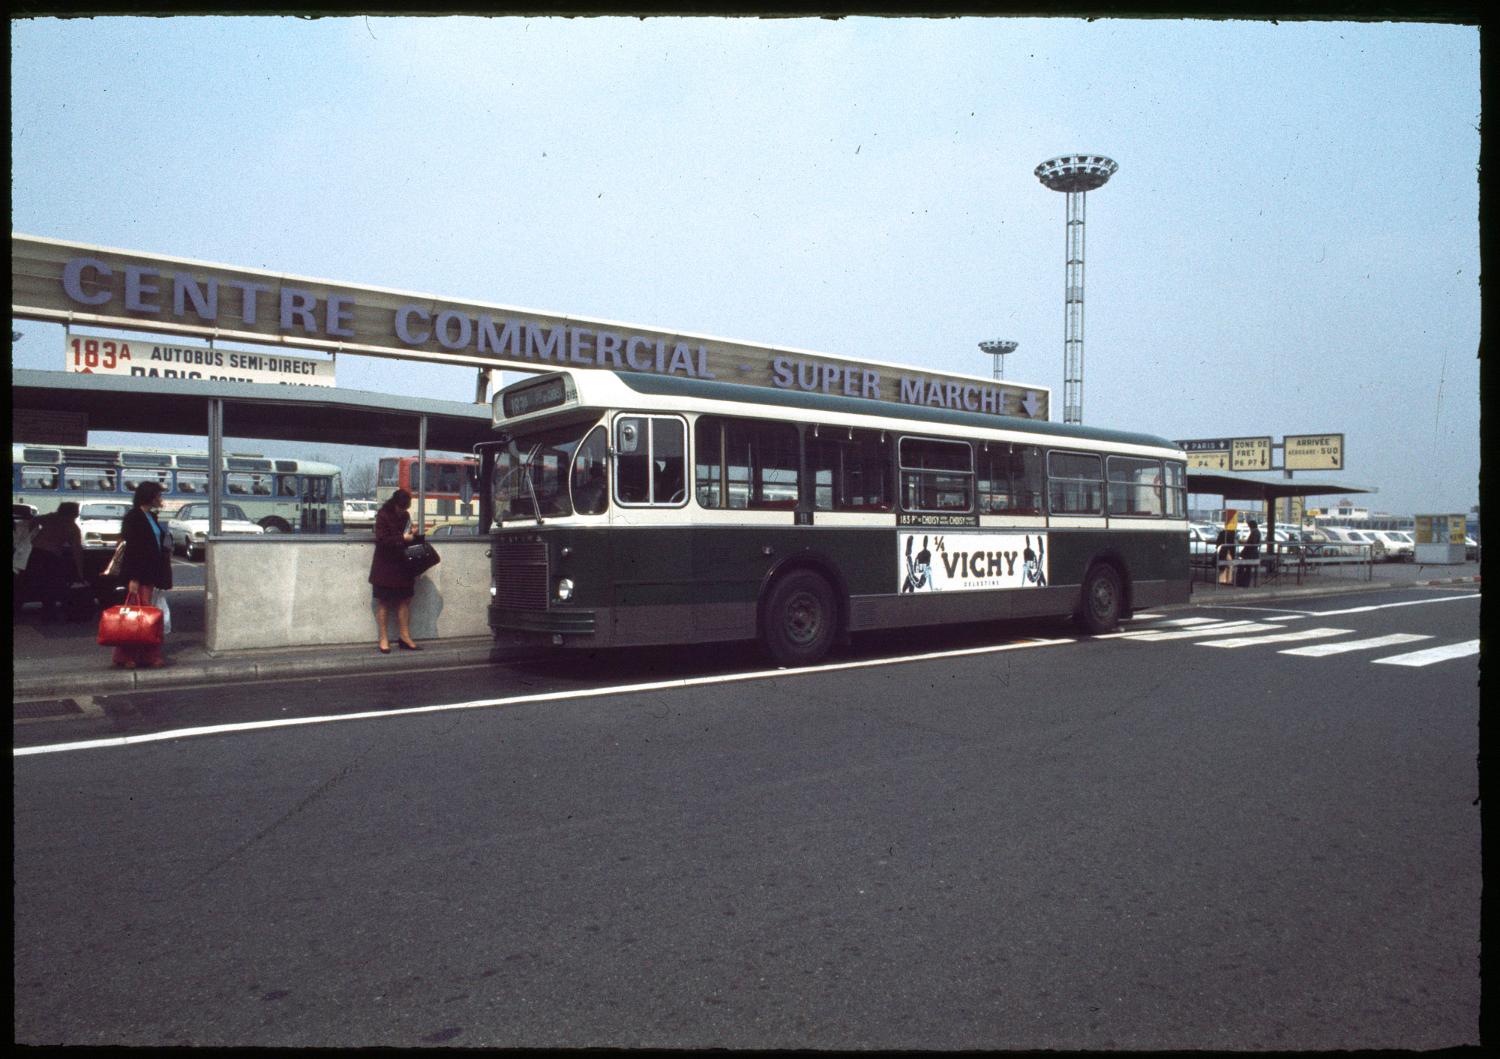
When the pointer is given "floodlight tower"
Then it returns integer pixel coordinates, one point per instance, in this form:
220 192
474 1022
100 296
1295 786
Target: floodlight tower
1075 175
998 348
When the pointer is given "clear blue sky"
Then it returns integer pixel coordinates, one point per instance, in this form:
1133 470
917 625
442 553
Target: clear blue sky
1290 245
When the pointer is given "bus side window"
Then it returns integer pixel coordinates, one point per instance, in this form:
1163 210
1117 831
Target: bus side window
632 464
286 485
851 471
1014 483
651 462
1075 483
38 477
669 461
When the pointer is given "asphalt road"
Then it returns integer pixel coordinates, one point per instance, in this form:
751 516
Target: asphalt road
1134 842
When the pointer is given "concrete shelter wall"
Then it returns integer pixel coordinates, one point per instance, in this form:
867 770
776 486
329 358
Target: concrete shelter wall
279 591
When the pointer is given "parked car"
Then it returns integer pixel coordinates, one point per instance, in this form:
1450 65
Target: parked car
189 526
20 513
360 514
1471 548
1201 538
1392 545
100 524
1342 541
463 528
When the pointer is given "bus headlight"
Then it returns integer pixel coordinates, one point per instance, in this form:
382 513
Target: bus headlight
565 589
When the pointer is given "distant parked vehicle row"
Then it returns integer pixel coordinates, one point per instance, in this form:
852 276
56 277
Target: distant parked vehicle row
360 514
189 526
1325 542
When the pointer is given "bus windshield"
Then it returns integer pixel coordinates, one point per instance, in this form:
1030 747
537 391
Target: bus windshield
531 474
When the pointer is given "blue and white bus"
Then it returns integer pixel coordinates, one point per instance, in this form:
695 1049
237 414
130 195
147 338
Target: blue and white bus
282 496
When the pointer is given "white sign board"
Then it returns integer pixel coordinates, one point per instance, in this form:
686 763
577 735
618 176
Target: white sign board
966 562
117 355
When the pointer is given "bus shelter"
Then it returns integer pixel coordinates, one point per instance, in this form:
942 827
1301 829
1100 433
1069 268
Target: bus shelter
248 410
1265 488
278 590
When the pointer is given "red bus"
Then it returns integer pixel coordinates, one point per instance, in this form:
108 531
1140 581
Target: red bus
450 493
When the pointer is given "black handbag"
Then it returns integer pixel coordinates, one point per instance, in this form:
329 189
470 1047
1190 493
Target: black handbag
420 557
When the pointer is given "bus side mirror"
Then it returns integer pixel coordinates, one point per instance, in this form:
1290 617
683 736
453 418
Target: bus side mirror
629 438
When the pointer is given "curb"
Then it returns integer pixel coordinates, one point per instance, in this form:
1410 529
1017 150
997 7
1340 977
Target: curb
1239 595
342 662
345 660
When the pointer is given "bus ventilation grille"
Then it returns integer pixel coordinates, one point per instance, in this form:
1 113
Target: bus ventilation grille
520 572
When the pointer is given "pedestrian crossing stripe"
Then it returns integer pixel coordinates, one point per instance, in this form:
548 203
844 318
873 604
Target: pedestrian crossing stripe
1319 650
1153 636
1281 637
1431 655
1212 633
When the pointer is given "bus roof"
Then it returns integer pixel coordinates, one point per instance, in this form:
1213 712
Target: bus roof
669 386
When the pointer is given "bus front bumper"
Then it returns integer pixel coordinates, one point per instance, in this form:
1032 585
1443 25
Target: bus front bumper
544 623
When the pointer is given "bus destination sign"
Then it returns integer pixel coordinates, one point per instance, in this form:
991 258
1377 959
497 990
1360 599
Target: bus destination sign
549 393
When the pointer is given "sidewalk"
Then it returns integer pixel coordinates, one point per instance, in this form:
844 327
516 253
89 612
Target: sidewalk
60 660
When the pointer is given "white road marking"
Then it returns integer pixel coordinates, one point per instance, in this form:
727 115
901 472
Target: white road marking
1256 641
517 700
1318 650
1431 655
1147 636
1356 610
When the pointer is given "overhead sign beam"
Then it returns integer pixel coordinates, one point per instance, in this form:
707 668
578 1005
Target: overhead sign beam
75 283
1300 452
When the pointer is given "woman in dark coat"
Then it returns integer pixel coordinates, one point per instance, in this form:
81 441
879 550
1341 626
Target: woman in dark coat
392 584
1245 575
146 566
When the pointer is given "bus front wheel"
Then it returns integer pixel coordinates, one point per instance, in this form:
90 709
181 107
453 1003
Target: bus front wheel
800 619
1099 608
272 524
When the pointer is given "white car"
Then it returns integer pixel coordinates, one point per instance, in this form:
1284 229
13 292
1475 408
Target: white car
1202 541
189 527
360 514
1397 545
100 524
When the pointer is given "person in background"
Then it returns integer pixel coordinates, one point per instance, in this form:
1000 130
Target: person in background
146 566
1225 543
56 562
392 585
1245 575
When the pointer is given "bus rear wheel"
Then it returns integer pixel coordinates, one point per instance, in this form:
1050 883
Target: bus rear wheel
1102 601
799 622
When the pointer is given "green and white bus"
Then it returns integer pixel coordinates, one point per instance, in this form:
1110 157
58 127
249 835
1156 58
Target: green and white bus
630 509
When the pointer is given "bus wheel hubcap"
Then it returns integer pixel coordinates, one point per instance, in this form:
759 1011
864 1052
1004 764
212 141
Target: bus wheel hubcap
1104 596
803 618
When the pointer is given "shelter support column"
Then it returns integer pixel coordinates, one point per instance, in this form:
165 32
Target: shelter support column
215 465
421 500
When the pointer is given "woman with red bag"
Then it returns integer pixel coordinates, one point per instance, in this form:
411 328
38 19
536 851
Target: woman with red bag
146 566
